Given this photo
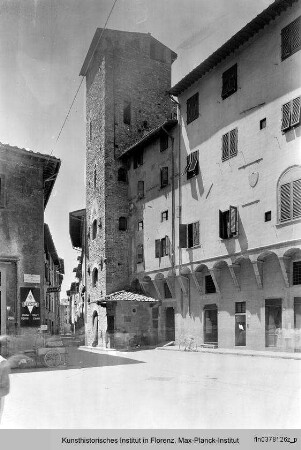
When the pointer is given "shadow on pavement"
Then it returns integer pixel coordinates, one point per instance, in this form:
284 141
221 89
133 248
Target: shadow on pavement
78 359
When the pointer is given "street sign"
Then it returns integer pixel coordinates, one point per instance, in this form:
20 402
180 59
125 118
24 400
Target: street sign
53 289
31 278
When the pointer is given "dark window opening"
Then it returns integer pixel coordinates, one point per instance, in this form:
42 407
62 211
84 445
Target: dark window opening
167 293
140 189
122 174
193 108
240 307
291 114
189 235
228 223
94 229
163 142
209 285
263 123
291 38
164 215
268 216
123 223
164 176
140 256
140 225
127 112
229 82
229 144
297 272
94 277
138 159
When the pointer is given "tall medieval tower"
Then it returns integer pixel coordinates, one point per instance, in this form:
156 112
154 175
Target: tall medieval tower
127 79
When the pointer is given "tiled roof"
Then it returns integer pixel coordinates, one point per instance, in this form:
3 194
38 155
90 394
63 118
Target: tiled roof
127 296
240 38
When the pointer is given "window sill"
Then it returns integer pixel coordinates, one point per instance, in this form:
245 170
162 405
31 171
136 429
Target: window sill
288 222
194 247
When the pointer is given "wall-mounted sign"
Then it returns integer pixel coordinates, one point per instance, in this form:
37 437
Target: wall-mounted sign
44 327
53 289
30 307
31 278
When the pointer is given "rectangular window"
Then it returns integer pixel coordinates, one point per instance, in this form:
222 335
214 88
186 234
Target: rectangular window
291 114
263 123
291 38
138 159
127 112
296 272
193 108
140 192
140 256
140 225
192 165
162 247
228 223
290 200
268 216
209 285
2 191
163 142
189 235
240 307
164 176
229 82
164 215
229 144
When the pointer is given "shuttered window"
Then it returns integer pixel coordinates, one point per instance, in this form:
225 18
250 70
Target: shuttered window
229 144
192 165
290 200
140 189
291 38
164 176
228 223
193 108
229 82
162 247
189 235
291 114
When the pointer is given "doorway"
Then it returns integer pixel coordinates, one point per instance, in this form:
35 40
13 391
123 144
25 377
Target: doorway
95 329
240 324
170 324
273 321
210 324
297 323
2 301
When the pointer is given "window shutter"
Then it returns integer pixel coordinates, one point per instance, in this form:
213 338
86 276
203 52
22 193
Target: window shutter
291 38
295 116
285 204
183 236
158 248
233 221
163 247
167 245
196 233
296 199
233 143
225 146
193 161
286 114
221 225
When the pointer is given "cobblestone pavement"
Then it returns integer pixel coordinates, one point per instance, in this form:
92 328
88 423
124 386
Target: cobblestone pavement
157 389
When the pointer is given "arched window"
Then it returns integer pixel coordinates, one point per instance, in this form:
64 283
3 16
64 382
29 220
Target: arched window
94 229
289 194
122 174
94 277
123 223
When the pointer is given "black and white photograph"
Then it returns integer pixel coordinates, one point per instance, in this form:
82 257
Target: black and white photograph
150 222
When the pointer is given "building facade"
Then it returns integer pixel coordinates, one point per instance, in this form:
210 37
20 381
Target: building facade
26 182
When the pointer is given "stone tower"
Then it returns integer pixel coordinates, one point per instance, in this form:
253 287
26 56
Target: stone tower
127 79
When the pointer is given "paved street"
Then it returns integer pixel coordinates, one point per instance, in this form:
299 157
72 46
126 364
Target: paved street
157 389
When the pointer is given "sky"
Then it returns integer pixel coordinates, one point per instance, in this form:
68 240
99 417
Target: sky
43 44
